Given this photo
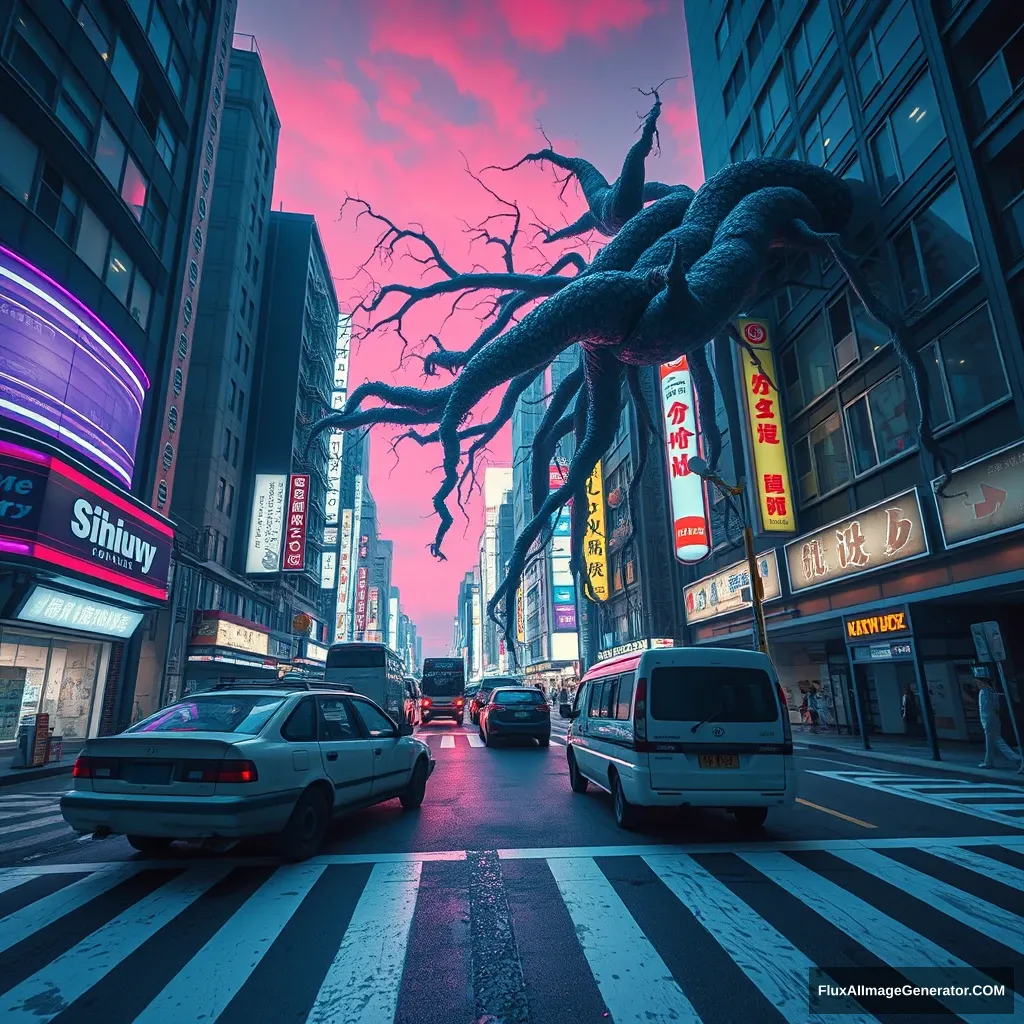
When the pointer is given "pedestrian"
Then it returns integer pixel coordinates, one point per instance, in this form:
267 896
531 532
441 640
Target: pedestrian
908 710
988 711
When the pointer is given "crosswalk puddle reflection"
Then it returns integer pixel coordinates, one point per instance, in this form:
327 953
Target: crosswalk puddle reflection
329 940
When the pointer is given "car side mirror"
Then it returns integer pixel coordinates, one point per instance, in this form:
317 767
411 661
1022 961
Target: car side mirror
565 710
405 729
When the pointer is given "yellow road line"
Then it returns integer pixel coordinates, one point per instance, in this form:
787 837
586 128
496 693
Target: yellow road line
837 814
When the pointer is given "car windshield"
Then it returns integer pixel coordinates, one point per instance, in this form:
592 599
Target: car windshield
221 712
518 697
697 693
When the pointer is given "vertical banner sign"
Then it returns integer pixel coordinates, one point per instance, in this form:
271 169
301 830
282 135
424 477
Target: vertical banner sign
341 625
686 488
373 608
764 412
520 616
328 570
295 530
595 551
174 398
266 527
361 577
357 516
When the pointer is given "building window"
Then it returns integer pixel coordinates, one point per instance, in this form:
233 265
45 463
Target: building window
119 271
166 144
995 57
252 312
134 188
737 79
78 110
33 54
821 461
248 256
234 396
125 70
18 166
879 424
57 203
745 147
154 217
245 299
223 556
238 346
110 153
758 37
93 240
226 449
252 216
229 501
1006 178
772 109
934 250
808 367
965 370
259 229
241 402
96 26
234 452
792 271
221 487
909 135
888 40
245 358
722 32
159 35
831 127
256 270
142 297
810 40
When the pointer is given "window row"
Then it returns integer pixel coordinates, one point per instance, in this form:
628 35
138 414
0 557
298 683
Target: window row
229 450
965 375
38 184
242 351
236 400
611 698
218 551
887 41
171 59
225 500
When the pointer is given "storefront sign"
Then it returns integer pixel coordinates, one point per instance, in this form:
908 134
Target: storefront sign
884 534
766 432
210 630
342 617
729 590
64 373
70 611
54 513
565 617
595 550
686 488
883 652
362 576
314 652
867 626
373 608
636 645
266 527
328 569
986 498
295 530
556 476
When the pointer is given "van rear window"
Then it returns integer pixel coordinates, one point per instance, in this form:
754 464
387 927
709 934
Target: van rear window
696 693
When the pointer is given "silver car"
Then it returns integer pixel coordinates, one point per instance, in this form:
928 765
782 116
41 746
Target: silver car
235 762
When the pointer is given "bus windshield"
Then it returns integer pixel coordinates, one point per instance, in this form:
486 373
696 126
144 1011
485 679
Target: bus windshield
355 656
443 677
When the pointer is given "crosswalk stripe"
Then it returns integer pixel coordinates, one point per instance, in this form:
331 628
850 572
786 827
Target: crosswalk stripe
16 927
889 939
475 741
447 742
633 980
24 826
989 867
976 913
14 879
49 991
362 983
776 967
211 979
42 837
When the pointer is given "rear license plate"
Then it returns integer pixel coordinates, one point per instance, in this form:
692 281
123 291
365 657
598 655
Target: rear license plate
522 714
150 774
718 760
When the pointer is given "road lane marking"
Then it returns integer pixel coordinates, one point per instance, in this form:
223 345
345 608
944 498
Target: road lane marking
447 742
635 983
775 966
24 826
837 814
362 983
202 989
474 740
988 867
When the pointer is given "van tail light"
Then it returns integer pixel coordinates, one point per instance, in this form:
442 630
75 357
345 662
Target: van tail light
787 729
425 702
640 712
236 771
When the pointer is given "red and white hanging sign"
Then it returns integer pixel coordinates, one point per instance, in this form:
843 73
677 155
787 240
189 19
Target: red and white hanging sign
362 576
686 488
295 530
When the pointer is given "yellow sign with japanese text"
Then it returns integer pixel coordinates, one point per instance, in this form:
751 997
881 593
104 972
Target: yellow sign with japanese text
764 411
595 542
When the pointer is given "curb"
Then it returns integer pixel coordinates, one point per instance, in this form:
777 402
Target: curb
17 775
921 762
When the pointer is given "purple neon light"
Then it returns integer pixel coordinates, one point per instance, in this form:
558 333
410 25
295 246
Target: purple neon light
65 374
16 547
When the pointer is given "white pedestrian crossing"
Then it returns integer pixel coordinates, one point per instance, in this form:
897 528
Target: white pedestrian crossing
363 973
1002 803
32 819
438 741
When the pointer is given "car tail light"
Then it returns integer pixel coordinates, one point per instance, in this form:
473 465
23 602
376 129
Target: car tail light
493 707
544 707
82 768
787 729
459 702
236 771
93 768
640 712
425 702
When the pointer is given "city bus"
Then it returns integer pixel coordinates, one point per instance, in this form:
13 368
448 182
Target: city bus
371 669
444 689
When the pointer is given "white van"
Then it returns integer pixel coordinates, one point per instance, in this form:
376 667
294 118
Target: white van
683 726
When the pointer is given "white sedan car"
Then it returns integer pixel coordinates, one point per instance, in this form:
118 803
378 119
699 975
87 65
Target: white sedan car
232 762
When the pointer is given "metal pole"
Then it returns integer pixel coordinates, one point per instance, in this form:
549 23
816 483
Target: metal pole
925 696
856 698
1009 707
756 592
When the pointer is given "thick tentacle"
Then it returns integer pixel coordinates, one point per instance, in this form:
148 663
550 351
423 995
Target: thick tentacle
574 230
626 196
704 390
545 440
646 431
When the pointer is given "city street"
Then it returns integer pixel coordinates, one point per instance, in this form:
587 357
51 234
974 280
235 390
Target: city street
506 897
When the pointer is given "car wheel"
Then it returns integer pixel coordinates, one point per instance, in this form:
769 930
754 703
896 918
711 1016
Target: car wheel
417 788
626 815
487 737
544 741
578 782
304 833
149 844
459 720
750 818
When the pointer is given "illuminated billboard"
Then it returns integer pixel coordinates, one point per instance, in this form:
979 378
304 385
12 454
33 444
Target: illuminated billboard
266 528
64 373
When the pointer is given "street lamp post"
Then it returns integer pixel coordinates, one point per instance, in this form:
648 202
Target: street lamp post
701 468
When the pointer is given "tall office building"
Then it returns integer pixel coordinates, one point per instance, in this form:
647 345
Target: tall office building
110 116
923 102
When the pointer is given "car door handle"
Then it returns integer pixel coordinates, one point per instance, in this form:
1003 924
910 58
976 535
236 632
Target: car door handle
332 756
377 751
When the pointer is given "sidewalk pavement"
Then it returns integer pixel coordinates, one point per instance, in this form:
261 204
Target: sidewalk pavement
956 756
13 776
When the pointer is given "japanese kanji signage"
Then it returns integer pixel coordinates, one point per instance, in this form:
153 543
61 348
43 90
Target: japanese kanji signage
520 617
295 525
342 618
891 531
595 552
986 498
686 488
362 577
766 433
729 590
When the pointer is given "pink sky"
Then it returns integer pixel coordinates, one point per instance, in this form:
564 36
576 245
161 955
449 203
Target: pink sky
381 100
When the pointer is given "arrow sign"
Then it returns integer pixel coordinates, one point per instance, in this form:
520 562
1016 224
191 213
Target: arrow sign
991 500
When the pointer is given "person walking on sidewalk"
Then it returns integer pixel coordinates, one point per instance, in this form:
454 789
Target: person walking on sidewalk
988 711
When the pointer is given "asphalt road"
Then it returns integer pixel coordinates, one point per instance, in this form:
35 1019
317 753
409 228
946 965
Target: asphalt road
506 898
